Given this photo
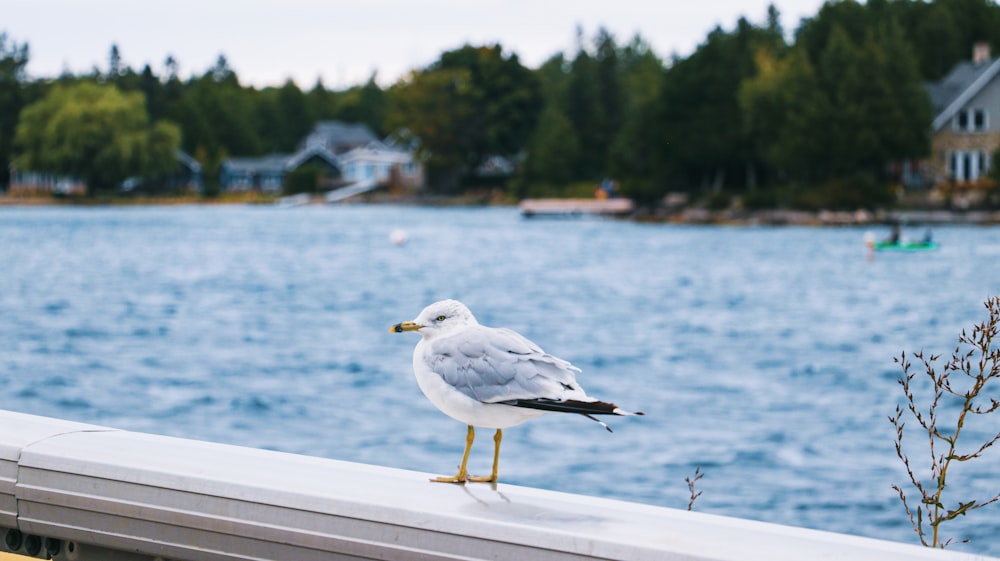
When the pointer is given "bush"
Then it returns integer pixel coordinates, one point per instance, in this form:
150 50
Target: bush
761 199
302 180
849 193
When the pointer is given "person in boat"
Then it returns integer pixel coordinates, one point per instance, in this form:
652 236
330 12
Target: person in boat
894 235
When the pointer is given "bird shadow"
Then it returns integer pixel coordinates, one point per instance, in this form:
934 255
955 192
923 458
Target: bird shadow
488 501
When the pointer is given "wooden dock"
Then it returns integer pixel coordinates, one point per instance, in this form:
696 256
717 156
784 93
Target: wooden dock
576 207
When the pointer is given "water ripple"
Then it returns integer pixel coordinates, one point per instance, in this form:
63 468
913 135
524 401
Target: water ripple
762 355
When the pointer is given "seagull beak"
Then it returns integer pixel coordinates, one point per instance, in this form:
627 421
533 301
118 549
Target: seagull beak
405 326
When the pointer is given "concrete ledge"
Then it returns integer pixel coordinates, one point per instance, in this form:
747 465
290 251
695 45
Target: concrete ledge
83 492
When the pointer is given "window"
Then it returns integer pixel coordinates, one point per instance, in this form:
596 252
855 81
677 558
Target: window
962 120
968 165
971 120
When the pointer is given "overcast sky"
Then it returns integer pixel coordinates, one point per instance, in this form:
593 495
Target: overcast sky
345 41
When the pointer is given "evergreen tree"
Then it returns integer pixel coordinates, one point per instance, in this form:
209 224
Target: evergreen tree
553 153
699 112
13 59
632 154
365 104
582 107
473 103
321 102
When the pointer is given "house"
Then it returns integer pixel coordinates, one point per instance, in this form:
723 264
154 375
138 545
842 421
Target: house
185 177
966 126
41 184
267 173
348 153
339 137
383 162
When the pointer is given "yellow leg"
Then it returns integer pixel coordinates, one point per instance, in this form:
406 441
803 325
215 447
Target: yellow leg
496 460
462 476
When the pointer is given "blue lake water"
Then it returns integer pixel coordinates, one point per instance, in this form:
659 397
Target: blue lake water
762 355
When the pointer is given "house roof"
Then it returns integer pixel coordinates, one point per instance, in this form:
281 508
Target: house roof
309 152
271 163
955 90
187 161
279 163
375 148
338 136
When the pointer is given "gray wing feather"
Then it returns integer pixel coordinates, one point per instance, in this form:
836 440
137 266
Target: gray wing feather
495 364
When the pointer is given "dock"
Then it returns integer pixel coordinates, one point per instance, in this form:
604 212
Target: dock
343 193
576 207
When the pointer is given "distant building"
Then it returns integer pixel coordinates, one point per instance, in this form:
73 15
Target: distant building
339 137
186 177
966 126
42 184
383 163
348 153
267 173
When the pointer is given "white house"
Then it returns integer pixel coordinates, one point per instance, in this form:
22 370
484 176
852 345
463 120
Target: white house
382 162
348 152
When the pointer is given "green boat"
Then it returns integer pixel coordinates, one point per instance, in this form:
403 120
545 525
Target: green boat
905 246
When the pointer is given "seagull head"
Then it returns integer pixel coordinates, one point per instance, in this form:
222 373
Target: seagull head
437 319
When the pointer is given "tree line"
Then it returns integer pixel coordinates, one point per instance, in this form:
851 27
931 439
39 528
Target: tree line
810 121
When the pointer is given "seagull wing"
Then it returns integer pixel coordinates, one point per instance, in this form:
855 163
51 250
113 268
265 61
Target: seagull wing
495 365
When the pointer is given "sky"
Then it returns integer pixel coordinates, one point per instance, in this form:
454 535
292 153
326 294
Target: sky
343 42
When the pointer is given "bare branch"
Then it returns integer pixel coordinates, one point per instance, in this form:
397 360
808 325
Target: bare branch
980 363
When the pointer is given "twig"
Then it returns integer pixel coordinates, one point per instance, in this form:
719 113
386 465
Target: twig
691 481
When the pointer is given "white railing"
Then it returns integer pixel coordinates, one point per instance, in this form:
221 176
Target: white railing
79 492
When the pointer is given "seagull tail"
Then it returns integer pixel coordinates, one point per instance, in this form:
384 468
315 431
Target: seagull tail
586 408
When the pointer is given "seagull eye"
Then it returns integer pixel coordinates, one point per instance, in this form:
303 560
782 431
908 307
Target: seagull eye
440 318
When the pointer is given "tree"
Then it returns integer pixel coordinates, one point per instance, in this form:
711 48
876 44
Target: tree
115 69
783 106
282 117
594 103
853 77
217 117
699 112
364 104
553 152
632 159
322 103
935 38
878 109
473 103
13 58
95 132
583 104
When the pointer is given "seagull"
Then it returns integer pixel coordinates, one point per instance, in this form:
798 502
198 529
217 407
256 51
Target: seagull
491 377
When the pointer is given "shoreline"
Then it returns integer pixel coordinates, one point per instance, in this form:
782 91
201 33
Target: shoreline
692 216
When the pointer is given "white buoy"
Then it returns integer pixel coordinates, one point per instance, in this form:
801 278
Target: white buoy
397 237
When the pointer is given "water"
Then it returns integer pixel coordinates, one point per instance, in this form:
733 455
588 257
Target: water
762 355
